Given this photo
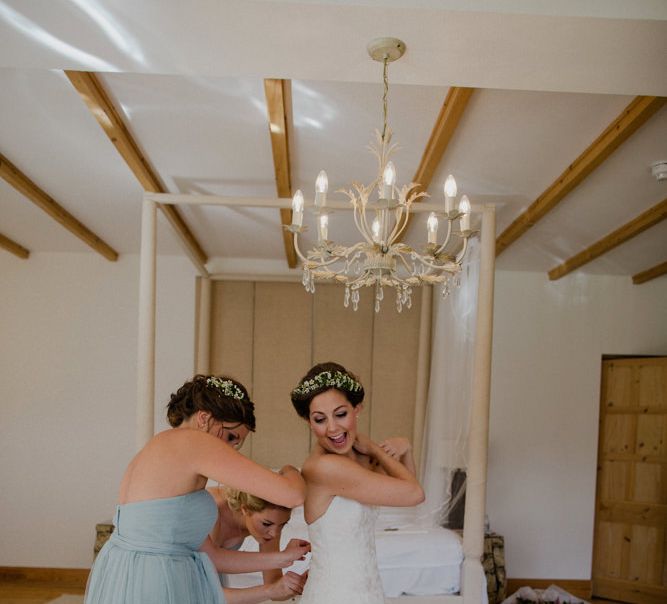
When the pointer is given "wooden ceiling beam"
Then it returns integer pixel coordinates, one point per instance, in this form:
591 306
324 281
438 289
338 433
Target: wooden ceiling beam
448 120
632 117
445 125
13 247
43 200
629 230
651 273
98 102
279 109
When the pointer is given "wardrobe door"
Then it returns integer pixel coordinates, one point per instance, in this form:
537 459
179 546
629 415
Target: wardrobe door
345 336
232 319
395 356
282 354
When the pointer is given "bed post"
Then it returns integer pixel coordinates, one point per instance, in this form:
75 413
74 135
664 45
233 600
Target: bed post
146 336
203 327
478 437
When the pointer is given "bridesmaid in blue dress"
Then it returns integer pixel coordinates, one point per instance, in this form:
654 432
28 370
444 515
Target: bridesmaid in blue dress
157 553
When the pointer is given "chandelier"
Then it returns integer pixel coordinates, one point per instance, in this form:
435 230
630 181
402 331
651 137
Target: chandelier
381 214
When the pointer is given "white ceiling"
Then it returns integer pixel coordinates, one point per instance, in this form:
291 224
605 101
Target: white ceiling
188 79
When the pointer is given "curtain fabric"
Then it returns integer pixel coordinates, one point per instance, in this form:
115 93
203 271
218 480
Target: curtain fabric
449 396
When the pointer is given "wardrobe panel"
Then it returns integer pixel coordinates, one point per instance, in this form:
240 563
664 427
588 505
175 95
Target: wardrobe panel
282 353
345 336
394 372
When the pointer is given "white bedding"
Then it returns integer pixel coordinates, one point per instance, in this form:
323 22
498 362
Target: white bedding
413 560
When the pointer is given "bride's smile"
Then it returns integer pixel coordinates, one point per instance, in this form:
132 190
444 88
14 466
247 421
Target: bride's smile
333 421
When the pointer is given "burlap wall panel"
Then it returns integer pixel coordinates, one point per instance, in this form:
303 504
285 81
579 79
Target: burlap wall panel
232 326
282 354
394 371
345 336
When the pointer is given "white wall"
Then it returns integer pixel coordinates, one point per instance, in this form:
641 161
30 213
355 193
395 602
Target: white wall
68 382
549 338
68 325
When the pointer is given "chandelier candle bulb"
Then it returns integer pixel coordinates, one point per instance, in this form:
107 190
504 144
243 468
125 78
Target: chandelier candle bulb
324 227
297 208
375 228
321 188
432 228
450 193
464 209
389 179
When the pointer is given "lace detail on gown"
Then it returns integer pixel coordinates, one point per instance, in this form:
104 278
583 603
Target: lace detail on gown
343 568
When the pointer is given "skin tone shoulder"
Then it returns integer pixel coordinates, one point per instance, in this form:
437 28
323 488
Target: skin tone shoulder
349 464
180 460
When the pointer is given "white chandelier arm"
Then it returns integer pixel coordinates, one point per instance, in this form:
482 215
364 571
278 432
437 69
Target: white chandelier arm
337 257
402 258
462 253
398 216
449 266
364 228
399 228
296 248
446 241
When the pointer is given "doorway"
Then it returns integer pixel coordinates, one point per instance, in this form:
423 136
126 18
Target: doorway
630 549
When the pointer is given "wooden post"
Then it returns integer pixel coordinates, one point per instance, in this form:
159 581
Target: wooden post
203 360
146 350
478 437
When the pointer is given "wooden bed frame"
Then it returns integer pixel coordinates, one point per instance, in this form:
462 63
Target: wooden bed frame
472 579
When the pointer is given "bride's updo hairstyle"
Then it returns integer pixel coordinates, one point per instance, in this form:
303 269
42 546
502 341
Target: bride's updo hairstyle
224 398
323 377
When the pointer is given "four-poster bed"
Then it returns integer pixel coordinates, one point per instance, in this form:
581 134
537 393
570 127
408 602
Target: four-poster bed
472 574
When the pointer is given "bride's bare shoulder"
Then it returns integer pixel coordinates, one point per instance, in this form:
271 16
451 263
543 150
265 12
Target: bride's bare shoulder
322 466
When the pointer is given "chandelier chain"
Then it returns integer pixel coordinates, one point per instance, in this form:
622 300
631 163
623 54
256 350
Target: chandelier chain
385 79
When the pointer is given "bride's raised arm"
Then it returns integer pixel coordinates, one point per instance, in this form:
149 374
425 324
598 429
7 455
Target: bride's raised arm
341 475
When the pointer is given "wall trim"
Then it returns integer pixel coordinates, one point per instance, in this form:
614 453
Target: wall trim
581 588
69 577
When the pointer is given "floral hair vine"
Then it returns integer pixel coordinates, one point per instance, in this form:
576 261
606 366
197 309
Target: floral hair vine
328 379
227 387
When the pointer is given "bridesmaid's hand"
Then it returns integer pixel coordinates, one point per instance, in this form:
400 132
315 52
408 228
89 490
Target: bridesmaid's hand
296 549
396 446
289 586
363 444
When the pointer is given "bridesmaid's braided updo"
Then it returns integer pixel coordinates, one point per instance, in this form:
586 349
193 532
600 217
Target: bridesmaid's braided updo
223 397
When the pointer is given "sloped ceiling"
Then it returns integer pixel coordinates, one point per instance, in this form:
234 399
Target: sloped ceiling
187 80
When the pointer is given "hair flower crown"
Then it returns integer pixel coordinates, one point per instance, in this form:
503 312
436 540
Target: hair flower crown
227 387
328 379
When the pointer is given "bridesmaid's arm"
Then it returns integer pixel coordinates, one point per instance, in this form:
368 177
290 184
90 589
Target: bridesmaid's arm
288 586
234 562
273 574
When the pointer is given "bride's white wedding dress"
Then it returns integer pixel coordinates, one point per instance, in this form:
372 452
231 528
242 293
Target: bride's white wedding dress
343 568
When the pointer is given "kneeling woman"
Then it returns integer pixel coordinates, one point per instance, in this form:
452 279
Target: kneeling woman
165 514
346 474
241 515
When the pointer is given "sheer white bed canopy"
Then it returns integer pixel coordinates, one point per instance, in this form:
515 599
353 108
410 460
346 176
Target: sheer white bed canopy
474 340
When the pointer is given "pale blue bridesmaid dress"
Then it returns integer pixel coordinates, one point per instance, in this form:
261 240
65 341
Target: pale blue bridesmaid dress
152 556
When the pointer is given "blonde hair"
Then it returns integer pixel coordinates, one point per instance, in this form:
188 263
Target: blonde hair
238 500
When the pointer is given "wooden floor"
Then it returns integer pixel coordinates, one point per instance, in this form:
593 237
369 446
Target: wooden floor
39 593
35 593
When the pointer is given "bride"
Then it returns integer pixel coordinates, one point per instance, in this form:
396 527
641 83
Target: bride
346 474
